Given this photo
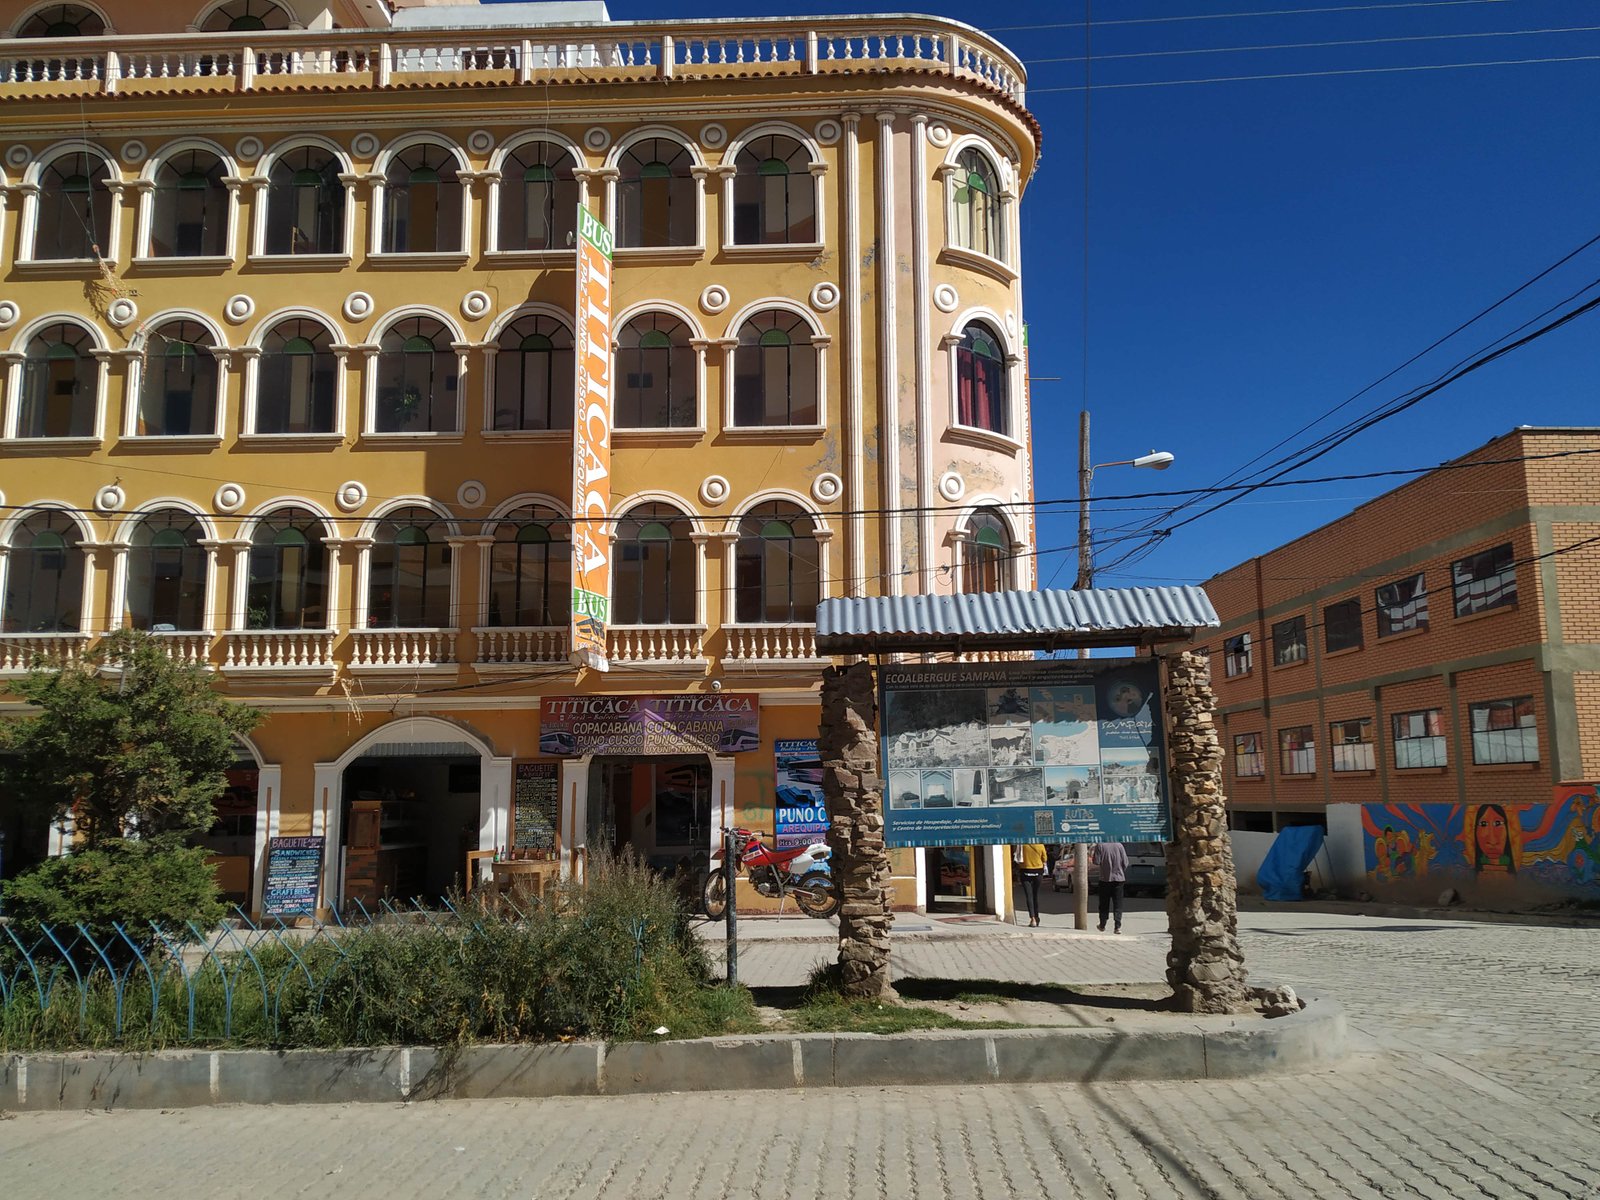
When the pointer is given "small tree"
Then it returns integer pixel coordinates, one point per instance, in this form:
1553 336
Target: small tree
126 741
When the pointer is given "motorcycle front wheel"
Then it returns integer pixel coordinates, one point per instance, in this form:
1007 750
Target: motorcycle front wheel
714 896
817 894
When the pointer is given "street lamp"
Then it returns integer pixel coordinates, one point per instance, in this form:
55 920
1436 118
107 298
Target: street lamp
1156 460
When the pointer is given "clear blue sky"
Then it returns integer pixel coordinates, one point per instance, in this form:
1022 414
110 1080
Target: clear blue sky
1260 250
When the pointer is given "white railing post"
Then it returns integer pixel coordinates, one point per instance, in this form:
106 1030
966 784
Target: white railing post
811 52
668 52
247 69
113 71
383 64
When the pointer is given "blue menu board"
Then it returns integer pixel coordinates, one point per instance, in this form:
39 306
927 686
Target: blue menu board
294 877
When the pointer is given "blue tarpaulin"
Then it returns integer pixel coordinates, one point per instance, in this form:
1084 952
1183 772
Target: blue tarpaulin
1283 871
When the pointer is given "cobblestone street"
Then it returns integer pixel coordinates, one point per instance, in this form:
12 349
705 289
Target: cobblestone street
1475 1075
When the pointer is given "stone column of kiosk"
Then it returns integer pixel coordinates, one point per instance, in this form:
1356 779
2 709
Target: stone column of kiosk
1204 966
852 782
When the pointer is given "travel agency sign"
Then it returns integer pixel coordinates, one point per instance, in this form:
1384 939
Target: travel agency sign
591 447
1049 750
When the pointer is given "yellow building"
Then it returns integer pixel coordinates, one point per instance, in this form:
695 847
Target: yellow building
286 329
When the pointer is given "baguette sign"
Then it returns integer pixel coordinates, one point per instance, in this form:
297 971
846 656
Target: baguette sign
591 447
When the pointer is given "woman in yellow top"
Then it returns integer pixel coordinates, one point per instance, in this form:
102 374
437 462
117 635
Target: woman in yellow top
1034 860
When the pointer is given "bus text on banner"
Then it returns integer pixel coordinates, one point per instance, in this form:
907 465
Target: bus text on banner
1053 750
591 447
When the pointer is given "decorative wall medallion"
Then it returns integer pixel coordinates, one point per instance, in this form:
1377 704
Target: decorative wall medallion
714 299
229 498
364 144
471 494
715 136
825 297
122 311
110 498
946 298
951 486
9 314
480 141
1011 323
134 152
18 156
714 490
476 304
357 306
827 487
828 131
351 495
939 133
248 149
239 308
597 138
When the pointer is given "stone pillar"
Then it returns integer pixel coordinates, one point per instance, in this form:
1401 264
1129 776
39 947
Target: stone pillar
852 782
1204 966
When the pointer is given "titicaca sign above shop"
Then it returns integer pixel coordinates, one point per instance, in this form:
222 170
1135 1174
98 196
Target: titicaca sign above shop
1042 751
591 447
690 723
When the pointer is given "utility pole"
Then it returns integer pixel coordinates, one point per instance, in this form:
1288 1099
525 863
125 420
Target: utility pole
1085 482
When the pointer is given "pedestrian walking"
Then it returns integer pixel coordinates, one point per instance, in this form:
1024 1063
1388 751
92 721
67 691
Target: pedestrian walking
1112 861
1034 860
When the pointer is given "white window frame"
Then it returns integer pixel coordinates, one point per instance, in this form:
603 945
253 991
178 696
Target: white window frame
459 346
822 534
122 545
143 253
818 167
820 341
961 538
488 531
34 8
365 542
697 171
698 341
377 208
14 360
29 188
251 353
87 544
261 180
494 176
1002 268
244 543
1009 443
134 384
490 351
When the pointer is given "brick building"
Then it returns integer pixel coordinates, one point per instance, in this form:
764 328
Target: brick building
1422 675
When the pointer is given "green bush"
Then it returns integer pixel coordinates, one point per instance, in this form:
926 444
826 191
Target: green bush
129 882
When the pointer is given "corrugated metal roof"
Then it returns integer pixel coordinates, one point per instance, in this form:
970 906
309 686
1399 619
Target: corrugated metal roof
1045 620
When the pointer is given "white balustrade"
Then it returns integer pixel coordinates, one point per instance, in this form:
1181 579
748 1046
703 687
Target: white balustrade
283 650
771 643
506 648
191 649
21 652
648 48
402 649
657 644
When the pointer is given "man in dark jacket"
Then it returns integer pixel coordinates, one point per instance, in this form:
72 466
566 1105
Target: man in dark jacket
1111 859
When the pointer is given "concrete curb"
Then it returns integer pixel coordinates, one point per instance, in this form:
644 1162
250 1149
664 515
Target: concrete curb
1196 1048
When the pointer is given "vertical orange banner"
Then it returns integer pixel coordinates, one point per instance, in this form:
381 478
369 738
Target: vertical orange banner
591 447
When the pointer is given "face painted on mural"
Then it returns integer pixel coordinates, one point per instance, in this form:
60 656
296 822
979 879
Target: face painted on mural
1491 840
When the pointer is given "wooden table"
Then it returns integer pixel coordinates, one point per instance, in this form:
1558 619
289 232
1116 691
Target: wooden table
522 879
474 857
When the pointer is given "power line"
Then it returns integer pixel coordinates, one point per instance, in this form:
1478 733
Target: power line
1230 16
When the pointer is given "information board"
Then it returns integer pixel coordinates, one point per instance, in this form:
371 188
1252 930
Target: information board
294 876
535 805
799 814
1052 750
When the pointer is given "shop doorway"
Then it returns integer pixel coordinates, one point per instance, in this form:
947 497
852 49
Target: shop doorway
659 808
958 878
408 822
24 837
230 843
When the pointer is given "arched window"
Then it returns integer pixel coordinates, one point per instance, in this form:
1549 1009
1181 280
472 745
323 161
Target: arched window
981 401
656 374
63 21
167 572
976 216
987 558
408 584
288 572
538 199
60 384
422 202
533 375
416 379
654 573
305 203
178 393
44 576
245 16
775 371
190 213
74 208
656 195
530 569
297 379
774 193
777 566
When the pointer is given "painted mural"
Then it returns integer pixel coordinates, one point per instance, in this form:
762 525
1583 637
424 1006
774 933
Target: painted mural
1539 847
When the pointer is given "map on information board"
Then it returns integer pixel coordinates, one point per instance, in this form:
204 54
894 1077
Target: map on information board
1048 750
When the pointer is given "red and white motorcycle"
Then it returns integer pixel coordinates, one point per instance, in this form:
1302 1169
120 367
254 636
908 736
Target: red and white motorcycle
797 872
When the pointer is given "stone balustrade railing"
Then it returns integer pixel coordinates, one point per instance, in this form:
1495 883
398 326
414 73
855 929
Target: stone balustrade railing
382 58
501 649
657 644
247 651
402 649
771 643
21 652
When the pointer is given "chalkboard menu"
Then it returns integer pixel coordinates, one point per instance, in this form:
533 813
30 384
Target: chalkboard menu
535 805
294 876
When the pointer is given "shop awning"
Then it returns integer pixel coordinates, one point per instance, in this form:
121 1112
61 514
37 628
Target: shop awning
1047 620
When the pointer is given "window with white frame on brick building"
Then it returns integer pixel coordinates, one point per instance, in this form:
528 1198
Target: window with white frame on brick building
1504 731
1419 739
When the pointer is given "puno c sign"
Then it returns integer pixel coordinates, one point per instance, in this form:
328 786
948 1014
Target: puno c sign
591 447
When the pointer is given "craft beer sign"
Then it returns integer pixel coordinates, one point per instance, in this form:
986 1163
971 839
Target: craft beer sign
591 447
